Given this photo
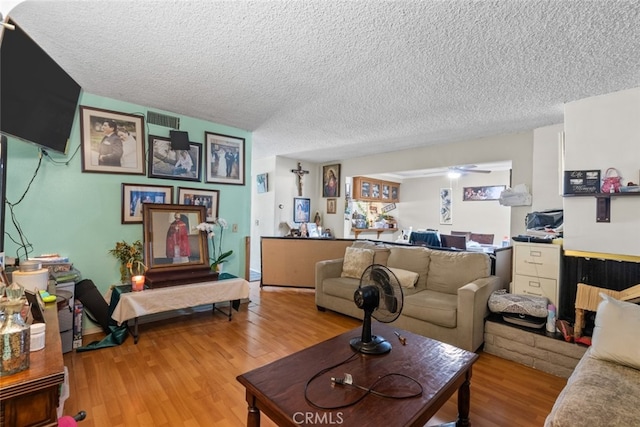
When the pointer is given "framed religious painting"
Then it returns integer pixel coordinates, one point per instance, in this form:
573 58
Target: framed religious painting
172 240
135 195
166 163
224 159
331 181
301 210
331 206
198 197
112 142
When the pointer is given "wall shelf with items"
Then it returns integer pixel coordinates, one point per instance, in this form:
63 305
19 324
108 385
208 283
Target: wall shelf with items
603 202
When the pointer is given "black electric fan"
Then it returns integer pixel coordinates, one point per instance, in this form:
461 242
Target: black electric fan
379 294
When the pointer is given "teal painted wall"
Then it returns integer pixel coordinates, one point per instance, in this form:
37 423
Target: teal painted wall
78 214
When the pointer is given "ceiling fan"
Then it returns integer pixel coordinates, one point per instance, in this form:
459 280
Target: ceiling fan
464 169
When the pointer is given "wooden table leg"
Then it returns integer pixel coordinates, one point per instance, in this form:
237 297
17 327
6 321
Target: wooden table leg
253 414
135 331
464 401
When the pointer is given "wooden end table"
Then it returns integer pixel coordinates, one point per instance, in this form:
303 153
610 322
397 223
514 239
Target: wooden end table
278 389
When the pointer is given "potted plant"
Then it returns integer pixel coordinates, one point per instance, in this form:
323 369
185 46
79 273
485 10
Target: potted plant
130 257
217 256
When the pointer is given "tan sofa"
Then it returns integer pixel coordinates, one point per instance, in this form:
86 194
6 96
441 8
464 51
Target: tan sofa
448 302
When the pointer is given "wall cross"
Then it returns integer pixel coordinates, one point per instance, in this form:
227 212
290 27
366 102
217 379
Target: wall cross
299 174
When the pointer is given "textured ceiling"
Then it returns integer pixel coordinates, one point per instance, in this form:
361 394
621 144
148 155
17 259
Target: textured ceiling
330 80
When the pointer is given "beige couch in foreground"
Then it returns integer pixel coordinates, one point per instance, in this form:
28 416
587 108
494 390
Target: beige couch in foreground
604 389
445 293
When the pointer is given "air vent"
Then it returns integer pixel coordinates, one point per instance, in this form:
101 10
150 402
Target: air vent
163 120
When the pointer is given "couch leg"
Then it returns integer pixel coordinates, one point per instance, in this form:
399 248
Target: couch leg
321 308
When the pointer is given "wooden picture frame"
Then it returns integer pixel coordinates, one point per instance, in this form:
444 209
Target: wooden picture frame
262 182
172 241
301 210
210 199
487 192
109 150
331 181
184 165
225 159
134 196
331 206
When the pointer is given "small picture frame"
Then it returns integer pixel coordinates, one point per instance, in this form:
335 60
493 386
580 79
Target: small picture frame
112 142
210 199
262 182
331 181
488 192
225 159
331 206
134 196
185 165
301 210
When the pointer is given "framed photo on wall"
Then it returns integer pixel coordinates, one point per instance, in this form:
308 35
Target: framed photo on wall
171 239
301 210
225 159
210 199
331 181
166 163
445 206
331 206
134 196
489 192
111 142
263 183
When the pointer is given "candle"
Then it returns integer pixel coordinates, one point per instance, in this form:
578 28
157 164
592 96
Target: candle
137 283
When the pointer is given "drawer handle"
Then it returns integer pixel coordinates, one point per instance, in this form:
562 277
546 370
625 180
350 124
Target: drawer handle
533 263
532 293
534 284
535 253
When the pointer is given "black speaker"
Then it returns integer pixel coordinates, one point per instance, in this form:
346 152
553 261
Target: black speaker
179 140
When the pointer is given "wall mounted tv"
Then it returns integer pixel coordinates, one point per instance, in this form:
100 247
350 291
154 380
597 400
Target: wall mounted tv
38 99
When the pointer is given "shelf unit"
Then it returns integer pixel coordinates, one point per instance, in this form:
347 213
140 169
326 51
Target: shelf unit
603 203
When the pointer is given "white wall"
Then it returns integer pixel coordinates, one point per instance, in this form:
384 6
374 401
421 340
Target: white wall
603 132
517 148
263 215
420 205
546 169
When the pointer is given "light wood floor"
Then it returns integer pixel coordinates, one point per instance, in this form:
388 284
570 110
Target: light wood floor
182 371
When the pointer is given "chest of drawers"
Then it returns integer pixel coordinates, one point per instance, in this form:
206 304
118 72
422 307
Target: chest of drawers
536 270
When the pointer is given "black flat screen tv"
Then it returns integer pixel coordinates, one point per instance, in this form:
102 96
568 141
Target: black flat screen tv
38 99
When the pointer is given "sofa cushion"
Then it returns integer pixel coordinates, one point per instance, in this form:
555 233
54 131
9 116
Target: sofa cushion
380 251
615 333
407 279
449 271
356 260
414 259
433 307
341 287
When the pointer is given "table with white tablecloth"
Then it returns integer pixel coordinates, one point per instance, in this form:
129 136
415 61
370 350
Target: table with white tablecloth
132 305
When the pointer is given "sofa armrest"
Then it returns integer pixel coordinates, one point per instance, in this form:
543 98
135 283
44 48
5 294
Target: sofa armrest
472 310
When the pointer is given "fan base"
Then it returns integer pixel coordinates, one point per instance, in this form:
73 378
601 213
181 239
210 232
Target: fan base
377 345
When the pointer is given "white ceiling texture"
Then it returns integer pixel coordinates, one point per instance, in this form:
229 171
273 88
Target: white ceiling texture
329 80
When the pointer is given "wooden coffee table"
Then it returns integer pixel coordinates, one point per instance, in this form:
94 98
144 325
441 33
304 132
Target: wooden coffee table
278 389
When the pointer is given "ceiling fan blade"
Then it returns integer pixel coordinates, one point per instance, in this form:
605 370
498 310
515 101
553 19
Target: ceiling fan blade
475 170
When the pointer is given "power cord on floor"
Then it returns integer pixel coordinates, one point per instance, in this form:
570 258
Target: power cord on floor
347 381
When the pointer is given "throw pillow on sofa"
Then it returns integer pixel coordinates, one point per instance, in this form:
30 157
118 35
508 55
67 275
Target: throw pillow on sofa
356 260
380 251
615 333
407 279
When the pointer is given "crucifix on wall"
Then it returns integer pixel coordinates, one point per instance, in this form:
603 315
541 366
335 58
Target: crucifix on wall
299 174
